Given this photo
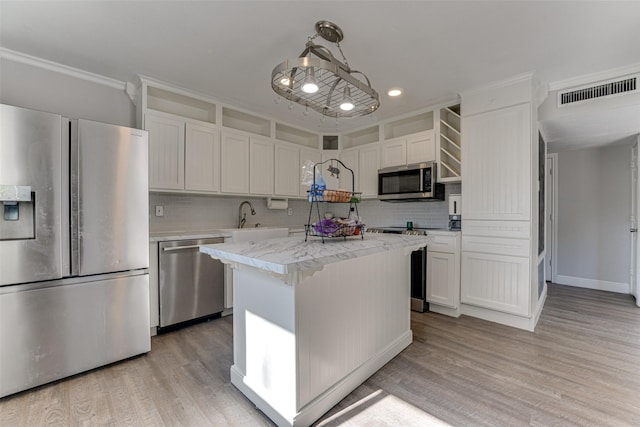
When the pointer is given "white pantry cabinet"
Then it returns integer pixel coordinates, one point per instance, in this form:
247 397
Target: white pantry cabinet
261 155
497 166
416 148
499 232
234 163
287 170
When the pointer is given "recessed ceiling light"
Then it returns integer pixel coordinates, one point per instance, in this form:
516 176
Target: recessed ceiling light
395 91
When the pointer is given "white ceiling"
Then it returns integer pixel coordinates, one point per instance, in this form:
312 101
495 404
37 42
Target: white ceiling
227 49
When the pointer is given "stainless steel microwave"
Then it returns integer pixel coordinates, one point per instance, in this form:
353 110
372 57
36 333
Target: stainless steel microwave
410 183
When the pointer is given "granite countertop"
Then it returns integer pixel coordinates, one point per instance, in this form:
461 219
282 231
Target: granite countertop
292 254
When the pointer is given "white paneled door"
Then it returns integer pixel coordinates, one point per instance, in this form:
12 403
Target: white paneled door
635 200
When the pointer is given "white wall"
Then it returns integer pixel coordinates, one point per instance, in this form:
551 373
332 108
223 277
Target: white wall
28 86
593 218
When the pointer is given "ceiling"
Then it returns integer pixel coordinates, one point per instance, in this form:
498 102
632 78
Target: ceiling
227 49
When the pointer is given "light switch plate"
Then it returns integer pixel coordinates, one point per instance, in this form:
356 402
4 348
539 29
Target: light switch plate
290 211
159 210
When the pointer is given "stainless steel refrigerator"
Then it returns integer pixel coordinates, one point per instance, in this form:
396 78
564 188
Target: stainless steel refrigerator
74 257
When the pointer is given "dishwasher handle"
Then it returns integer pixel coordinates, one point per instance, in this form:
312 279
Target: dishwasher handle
178 248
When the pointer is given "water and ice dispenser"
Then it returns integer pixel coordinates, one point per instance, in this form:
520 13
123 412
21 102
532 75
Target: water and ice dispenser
18 212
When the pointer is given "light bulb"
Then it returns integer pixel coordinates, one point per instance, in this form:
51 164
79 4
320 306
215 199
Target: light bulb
309 84
347 102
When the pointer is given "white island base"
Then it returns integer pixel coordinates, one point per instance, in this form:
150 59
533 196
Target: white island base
304 341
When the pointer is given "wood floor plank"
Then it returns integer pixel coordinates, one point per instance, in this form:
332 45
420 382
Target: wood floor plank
581 367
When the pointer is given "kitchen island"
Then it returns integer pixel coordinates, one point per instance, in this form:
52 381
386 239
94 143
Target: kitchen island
312 320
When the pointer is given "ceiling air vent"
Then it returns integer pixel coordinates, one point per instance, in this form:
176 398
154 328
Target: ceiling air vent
618 86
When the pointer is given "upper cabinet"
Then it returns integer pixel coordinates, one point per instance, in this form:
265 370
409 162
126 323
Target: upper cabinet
184 145
198 145
450 144
234 163
409 140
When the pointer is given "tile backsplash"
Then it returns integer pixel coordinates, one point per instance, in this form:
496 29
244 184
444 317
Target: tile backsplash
192 212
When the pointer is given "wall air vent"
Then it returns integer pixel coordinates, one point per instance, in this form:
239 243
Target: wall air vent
619 86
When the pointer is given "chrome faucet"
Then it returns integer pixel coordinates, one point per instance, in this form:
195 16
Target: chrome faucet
242 217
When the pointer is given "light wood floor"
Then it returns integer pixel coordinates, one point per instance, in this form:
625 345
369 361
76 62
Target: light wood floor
580 367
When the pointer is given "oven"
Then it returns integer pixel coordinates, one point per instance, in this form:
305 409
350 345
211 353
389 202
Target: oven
418 267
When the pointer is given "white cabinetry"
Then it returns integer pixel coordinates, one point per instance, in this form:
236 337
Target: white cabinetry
368 173
443 273
407 150
234 163
351 159
421 148
287 170
184 151
408 140
499 145
449 152
261 157
202 158
166 152
361 152
498 165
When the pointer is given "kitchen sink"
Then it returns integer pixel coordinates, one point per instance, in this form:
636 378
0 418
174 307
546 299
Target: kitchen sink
239 235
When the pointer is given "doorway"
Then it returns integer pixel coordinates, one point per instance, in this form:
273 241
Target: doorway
550 217
633 220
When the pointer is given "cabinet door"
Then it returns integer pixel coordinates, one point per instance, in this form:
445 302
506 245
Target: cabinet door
441 279
261 167
421 148
497 282
166 152
394 153
350 158
234 163
202 158
308 154
369 165
287 170
497 166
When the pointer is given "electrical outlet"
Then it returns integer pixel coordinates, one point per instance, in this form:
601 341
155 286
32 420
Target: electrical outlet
290 211
159 210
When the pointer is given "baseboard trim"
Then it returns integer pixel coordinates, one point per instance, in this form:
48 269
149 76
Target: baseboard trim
601 285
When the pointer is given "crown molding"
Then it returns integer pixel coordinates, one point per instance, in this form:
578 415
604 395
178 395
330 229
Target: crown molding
587 79
23 58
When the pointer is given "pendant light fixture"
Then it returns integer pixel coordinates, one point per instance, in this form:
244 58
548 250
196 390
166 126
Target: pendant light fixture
317 80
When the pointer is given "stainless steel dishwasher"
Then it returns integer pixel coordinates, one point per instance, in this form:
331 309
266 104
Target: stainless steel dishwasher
191 283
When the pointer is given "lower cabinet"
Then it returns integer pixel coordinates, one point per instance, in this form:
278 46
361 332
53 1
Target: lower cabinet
443 273
497 282
441 276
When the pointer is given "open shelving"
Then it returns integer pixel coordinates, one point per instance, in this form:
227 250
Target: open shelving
450 143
